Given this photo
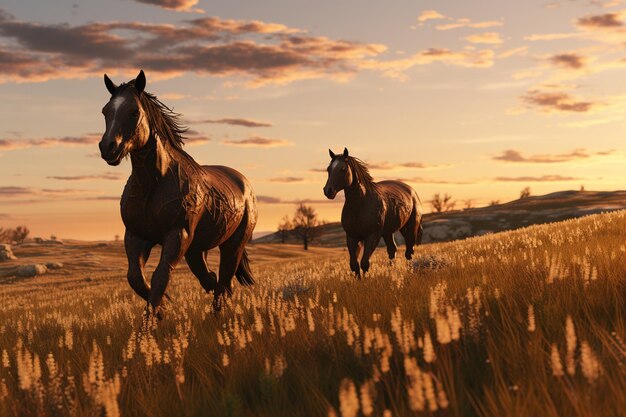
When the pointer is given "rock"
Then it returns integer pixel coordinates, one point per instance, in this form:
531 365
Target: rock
54 265
463 232
438 233
31 270
6 254
47 241
88 279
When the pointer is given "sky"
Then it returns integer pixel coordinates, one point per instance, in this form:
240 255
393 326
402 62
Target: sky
475 99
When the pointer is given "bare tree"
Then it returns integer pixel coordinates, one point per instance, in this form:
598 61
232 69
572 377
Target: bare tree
468 204
284 228
306 224
442 203
20 234
582 188
525 193
494 202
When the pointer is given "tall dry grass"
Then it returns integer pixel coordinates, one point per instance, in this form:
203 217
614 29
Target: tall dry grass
523 323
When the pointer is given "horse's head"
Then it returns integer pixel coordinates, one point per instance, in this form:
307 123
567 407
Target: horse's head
339 174
126 122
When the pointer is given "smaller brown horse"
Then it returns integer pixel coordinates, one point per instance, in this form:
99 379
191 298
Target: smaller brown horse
372 210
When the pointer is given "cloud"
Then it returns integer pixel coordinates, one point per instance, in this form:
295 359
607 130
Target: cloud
15 191
430 15
551 102
607 20
234 122
177 5
422 180
287 180
569 60
69 141
543 178
113 176
257 142
514 156
258 52
492 38
467 23
264 199
384 165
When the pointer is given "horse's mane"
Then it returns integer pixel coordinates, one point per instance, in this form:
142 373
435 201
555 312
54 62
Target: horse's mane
167 128
361 173
165 125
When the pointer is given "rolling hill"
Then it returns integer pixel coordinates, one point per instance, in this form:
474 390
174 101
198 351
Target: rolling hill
459 224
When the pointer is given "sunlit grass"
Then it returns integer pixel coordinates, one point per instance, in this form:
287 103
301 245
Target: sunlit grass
521 323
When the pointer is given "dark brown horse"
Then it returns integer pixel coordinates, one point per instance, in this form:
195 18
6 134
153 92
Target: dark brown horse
372 210
171 200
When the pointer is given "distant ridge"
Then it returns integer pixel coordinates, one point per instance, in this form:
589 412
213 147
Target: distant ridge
459 224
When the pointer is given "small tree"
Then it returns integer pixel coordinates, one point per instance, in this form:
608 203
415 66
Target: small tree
582 188
6 235
20 234
441 204
494 202
525 193
468 204
284 228
306 224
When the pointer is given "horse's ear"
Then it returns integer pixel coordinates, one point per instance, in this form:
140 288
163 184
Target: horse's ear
332 154
109 84
140 81
345 152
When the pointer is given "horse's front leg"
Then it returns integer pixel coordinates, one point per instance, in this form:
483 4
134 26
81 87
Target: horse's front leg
137 252
175 245
353 249
369 246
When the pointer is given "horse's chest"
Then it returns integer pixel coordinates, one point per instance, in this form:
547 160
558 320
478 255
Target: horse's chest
363 221
149 212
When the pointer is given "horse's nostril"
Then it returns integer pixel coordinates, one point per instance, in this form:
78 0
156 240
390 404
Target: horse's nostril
111 147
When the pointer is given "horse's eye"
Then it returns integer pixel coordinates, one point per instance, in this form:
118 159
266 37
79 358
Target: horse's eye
343 169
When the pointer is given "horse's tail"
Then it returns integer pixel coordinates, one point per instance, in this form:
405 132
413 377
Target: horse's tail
244 274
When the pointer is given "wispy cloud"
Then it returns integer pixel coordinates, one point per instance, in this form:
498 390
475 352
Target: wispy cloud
177 5
386 166
491 38
287 180
557 102
514 156
569 60
543 178
112 176
265 199
68 141
233 122
257 142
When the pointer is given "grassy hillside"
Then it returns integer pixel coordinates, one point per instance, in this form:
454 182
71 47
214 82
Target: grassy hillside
523 212
521 323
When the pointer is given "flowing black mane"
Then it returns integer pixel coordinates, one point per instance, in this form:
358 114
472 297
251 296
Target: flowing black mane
164 124
361 173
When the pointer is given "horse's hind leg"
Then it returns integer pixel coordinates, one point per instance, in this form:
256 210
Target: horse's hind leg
231 252
391 245
410 232
197 265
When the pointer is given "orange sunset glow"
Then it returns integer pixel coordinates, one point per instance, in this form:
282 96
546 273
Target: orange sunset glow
475 99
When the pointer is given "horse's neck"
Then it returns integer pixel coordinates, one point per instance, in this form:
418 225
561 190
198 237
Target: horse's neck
150 163
355 194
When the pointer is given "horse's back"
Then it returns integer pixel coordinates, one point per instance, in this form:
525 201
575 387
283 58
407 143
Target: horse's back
403 203
229 177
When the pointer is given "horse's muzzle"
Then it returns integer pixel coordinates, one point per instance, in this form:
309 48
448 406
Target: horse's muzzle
330 193
110 151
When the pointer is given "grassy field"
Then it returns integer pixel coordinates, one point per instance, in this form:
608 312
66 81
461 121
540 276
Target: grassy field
524 323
